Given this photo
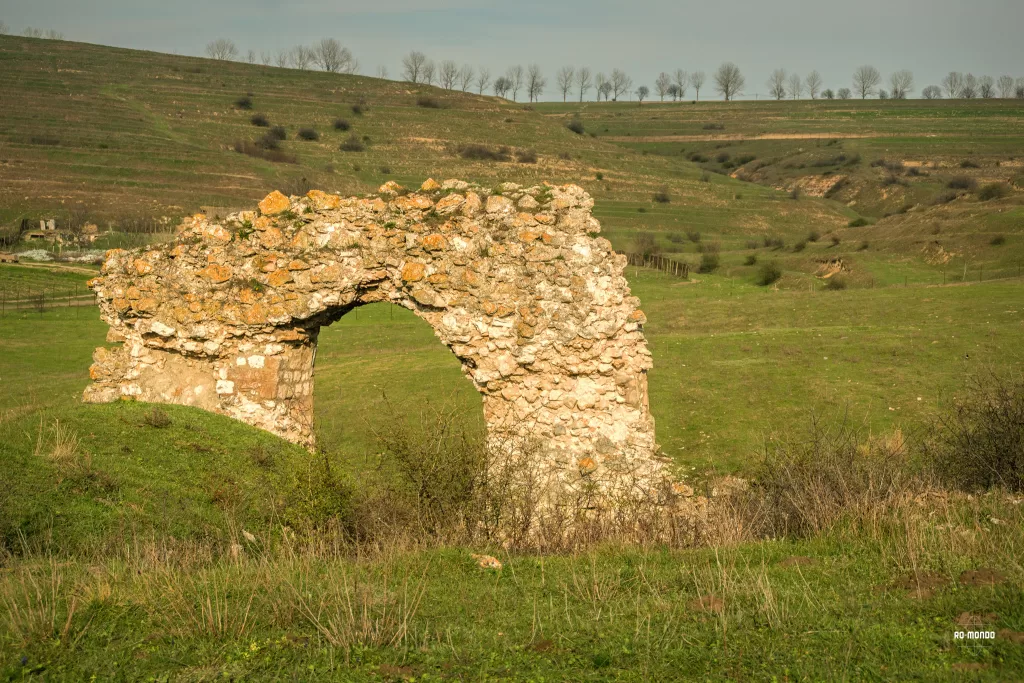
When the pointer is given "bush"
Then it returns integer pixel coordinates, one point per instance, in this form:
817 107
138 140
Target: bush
576 126
359 108
278 132
308 134
385 170
969 163
863 246
835 240
352 144
476 152
662 196
993 191
800 246
979 443
709 259
890 180
714 126
341 124
676 238
722 157
835 283
260 120
753 244
961 182
646 244
526 156
945 197
997 241
750 260
857 223
243 103
46 140
157 418
599 176
259 151
428 102
775 243
768 273
808 486
565 156
693 236
813 236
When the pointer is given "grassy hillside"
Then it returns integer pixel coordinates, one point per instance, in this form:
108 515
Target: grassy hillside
144 543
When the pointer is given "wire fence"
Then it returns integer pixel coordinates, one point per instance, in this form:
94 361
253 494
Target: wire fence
658 262
27 299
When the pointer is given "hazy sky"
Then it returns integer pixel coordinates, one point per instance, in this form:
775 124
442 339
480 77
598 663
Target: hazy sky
643 37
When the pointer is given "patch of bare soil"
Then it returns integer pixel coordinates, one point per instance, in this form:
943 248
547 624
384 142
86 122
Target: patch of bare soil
707 603
818 186
982 577
1012 636
544 645
920 585
798 561
831 267
935 254
392 672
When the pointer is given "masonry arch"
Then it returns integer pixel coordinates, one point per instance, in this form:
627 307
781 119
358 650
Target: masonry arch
514 281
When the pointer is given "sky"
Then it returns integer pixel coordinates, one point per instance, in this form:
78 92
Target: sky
641 37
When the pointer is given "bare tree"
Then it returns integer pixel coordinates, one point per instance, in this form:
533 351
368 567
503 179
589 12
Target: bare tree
222 48
865 79
621 83
4 29
796 86
565 78
843 93
777 84
969 90
514 74
265 58
813 82
828 94
583 81
662 84
54 35
697 80
603 86
330 56
428 72
953 83
30 32
382 72
932 92
1018 89
483 79
282 59
729 81
465 77
447 74
986 87
1006 87
901 84
535 83
412 66
302 57
641 94
673 91
681 80
502 86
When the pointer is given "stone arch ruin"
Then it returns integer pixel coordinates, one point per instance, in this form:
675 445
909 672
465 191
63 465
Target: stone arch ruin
514 281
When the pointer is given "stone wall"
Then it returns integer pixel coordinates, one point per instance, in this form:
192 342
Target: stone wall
514 281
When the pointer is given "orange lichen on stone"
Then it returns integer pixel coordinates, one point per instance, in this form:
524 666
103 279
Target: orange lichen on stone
216 273
274 203
435 242
413 271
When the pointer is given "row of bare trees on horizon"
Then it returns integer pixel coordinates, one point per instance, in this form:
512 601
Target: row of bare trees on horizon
578 82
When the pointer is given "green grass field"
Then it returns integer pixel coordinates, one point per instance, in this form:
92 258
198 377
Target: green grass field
134 560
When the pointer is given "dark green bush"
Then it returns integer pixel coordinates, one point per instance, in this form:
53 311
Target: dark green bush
341 124
768 273
352 144
308 134
993 191
260 120
962 182
576 126
750 260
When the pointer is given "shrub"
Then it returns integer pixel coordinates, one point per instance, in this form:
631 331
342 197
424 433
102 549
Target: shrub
278 132
800 246
835 283
599 176
750 260
813 236
863 246
693 236
157 418
714 126
526 156
794 193
260 120
744 159
835 240
662 196
697 158
891 180
44 140
385 170
341 124
753 244
428 102
676 238
945 197
259 151
768 273
808 485
916 172
969 163
243 103
705 177
998 240
961 182
979 443
857 223
576 126
775 243
722 157
993 191
358 108
308 134
352 144
565 156
646 244
475 152
709 259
